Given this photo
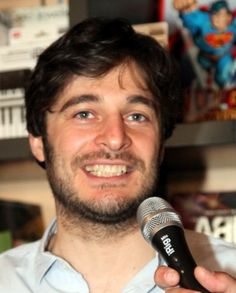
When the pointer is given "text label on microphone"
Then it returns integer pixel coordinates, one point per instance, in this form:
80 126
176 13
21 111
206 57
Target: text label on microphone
167 244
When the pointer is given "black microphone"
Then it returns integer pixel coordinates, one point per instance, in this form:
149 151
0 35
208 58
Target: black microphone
161 226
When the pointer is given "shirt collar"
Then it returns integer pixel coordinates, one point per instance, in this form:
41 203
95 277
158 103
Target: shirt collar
45 259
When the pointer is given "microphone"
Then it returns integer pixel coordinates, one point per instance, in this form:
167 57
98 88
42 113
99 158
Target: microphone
162 227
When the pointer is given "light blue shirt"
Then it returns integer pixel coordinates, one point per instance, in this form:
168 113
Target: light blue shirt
30 268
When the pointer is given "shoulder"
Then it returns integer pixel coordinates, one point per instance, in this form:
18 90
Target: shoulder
233 23
198 13
13 262
213 253
194 19
19 253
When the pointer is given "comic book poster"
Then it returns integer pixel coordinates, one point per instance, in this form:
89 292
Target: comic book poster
212 213
202 37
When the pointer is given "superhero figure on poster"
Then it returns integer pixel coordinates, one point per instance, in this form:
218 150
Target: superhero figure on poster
214 33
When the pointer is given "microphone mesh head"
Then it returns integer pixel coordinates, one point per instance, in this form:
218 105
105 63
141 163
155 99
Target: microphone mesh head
154 214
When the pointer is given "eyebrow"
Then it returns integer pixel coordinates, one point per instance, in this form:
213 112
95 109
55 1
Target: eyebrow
134 99
78 100
138 99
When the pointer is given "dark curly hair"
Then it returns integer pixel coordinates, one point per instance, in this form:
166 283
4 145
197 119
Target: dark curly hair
91 49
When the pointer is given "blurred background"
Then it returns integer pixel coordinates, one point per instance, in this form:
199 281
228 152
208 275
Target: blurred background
199 168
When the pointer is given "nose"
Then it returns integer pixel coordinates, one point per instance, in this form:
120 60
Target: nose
113 135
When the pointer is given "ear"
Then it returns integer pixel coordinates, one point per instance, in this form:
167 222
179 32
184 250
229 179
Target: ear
230 18
36 145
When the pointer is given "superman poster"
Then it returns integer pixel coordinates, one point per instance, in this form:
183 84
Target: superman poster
203 40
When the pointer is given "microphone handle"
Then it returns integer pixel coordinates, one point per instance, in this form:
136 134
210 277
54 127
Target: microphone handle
171 244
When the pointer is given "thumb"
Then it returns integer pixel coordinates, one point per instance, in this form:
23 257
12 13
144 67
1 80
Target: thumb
218 282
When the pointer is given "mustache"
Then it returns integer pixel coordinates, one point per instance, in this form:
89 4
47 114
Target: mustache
131 159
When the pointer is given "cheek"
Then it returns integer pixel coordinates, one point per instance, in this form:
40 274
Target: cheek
70 141
148 147
154 147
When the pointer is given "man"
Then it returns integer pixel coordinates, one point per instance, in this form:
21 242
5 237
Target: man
214 33
101 103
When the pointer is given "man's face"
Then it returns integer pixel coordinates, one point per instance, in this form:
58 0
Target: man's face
221 19
103 145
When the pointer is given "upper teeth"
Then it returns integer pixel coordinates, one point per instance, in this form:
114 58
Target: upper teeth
106 170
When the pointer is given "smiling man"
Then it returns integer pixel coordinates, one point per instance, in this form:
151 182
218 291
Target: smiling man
96 136
101 103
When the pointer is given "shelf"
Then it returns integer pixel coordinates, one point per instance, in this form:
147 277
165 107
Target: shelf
207 133
198 146
200 158
14 149
193 145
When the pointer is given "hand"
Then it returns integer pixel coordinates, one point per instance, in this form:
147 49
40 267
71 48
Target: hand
215 282
185 5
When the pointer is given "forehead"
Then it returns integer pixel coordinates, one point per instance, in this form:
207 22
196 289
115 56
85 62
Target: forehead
222 11
125 79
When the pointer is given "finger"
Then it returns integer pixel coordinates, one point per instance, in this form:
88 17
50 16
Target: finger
184 5
166 277
180 290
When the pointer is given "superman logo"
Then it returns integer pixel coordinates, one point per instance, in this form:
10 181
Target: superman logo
218 40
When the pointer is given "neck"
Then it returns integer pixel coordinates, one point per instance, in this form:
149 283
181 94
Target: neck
101 259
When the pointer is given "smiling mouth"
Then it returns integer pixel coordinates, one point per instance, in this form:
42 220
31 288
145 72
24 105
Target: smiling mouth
106 170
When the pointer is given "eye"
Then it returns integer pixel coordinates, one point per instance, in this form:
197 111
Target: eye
137 117
84 115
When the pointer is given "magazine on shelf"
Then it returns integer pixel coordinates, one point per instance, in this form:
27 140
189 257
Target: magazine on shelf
212 213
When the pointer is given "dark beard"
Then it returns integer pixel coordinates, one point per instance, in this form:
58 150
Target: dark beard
120 213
